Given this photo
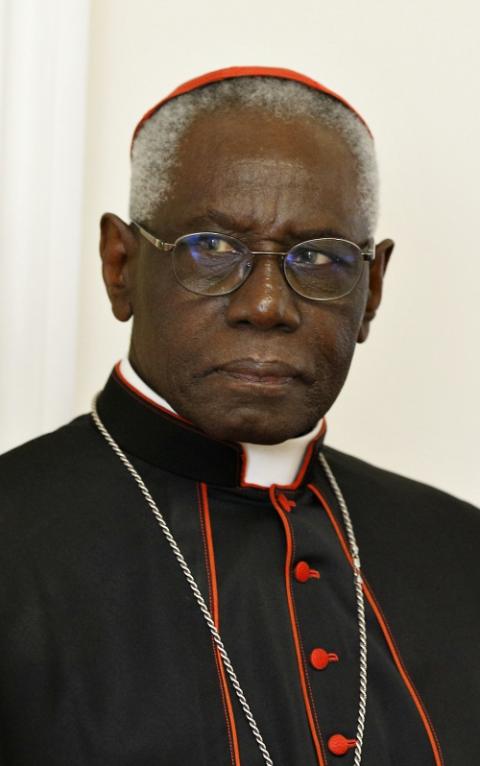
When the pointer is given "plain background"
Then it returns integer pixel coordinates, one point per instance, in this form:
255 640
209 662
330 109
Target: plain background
411 68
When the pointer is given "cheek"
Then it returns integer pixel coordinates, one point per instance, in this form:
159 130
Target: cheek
333 353
156 335
173 330
338 326
334 341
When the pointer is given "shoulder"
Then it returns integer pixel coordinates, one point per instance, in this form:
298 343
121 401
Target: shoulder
403 520
48 454
46 474
378 486
413 537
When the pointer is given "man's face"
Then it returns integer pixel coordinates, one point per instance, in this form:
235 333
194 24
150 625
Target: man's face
261 364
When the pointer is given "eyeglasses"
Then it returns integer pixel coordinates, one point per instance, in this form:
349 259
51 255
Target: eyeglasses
209 263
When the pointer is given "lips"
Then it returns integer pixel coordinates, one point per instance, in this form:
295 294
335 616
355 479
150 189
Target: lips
271 372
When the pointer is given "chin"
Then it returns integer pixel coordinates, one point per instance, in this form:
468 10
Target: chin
258 430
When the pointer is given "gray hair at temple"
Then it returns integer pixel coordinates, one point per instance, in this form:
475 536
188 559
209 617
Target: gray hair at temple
155 149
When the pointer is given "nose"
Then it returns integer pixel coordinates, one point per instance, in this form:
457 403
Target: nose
265 300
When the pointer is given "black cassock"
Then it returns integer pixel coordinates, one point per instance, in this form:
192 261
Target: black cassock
106 660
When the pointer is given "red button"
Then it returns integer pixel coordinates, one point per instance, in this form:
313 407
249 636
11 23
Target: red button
340 745
303 572
320 659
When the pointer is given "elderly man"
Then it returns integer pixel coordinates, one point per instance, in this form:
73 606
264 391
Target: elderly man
185 569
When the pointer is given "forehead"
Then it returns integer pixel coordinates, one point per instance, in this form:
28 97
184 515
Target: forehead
265 172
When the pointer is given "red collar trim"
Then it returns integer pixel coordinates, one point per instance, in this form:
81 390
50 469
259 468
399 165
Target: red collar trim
139 393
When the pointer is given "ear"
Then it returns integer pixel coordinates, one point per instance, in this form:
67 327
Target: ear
117 249
378 268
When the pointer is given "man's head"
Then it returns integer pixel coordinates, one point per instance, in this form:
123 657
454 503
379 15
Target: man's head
271 163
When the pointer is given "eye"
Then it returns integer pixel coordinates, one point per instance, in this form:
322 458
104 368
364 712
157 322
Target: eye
311 257
216 244
324 253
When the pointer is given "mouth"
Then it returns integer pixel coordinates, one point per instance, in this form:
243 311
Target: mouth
255 372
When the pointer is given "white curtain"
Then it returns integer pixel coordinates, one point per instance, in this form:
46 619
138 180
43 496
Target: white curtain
43 72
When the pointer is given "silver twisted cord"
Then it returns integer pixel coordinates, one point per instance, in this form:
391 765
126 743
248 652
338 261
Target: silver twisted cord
362 626
191 581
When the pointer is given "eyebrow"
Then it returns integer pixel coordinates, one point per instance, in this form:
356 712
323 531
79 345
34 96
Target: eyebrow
306 234
226 222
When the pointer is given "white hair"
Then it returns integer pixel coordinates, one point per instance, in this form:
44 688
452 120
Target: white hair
155 149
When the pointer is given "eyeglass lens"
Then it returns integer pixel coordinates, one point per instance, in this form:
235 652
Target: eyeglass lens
212 264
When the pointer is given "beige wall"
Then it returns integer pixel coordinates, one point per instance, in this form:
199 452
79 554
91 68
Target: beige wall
43 72
411 402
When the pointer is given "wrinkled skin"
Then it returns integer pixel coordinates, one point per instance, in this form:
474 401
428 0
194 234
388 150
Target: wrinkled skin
262 364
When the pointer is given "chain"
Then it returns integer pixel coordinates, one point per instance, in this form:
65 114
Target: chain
206 612
362 627
191 581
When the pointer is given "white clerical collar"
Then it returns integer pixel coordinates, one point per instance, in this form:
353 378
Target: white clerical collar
265 464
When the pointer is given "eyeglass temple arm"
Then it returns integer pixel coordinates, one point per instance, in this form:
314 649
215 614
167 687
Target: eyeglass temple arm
158 243
369 255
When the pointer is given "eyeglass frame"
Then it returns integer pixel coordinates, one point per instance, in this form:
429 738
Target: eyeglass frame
166 247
